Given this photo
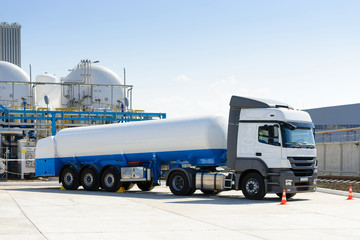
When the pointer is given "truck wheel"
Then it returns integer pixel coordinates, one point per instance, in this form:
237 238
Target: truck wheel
253 186
89 179
127 185
191 192
179 184
145 186
110 180
210 192
69 178
288 195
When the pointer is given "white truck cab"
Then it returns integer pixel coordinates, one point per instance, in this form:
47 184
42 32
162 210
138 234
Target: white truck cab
273 140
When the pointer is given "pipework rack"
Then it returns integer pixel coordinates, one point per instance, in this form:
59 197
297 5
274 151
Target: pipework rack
40 119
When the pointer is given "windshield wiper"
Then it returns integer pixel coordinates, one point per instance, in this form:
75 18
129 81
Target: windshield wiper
309 145
300 145
295 145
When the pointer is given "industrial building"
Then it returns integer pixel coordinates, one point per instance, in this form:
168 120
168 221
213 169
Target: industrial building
30 110
336 123
10 43
337 139
336 117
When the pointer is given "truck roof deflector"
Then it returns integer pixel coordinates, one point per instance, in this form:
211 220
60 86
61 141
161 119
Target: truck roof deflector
237 102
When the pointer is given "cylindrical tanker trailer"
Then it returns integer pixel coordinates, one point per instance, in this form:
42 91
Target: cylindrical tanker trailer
258 150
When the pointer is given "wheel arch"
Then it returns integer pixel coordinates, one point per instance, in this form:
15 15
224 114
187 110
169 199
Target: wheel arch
96 167
118 168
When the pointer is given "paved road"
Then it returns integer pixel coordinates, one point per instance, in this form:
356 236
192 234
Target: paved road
42 211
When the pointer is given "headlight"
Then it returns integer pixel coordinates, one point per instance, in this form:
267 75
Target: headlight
288 182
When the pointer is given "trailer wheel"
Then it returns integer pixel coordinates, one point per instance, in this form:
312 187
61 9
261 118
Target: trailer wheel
253 186
89 179
110 180
145 186
69 178
179 184
288 195
127 185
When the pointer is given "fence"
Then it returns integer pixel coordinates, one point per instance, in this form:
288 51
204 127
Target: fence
341 135
338 152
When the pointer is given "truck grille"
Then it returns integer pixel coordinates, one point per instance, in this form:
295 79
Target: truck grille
302 166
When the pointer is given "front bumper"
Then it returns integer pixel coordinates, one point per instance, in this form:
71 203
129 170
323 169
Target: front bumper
281 181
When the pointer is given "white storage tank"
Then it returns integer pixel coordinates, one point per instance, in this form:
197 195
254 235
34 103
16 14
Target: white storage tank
13 93
53 91
96 96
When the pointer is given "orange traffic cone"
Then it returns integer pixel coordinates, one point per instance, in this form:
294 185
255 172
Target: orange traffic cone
350 194
283 199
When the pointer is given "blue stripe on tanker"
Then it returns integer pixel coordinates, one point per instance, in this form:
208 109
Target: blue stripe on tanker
200 158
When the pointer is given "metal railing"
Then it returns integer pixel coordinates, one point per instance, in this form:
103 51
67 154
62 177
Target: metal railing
48 120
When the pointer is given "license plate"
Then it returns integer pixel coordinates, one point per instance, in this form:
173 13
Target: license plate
304 179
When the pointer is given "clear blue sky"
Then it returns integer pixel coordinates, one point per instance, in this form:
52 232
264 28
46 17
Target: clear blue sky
188 57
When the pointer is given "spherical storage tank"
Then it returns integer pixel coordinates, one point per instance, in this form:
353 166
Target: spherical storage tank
97 96
53 91
13 93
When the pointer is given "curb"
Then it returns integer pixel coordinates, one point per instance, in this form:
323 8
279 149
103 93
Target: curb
337 192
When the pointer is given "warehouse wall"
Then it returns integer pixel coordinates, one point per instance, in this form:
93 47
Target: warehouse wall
339 158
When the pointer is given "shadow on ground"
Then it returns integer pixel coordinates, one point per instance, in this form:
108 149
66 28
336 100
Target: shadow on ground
224 198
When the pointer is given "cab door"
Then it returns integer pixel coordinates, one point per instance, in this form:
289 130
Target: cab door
268 144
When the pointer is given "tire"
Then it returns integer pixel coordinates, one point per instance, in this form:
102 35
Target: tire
145 186
127 185
179 184
110 180
191 192
90 180
70 178
253 186
288 195
210 192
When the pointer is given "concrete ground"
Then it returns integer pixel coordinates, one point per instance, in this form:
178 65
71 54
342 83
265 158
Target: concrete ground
42 211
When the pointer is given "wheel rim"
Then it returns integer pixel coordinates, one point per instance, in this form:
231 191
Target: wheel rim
252 186
109 180
178 183
68 178
88 179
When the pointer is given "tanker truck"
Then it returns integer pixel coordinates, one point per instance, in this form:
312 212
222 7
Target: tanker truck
265 146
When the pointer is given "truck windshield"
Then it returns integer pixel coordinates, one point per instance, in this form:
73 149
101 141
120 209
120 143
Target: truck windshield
298 135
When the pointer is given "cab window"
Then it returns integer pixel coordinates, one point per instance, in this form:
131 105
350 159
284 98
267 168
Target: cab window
269 135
